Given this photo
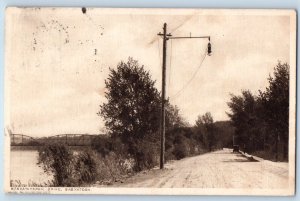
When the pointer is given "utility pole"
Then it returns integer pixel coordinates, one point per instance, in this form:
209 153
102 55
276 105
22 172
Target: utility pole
166 37
163 98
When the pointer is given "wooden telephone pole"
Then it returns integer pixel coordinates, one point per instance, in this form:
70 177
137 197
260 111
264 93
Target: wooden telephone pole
166 37
163 98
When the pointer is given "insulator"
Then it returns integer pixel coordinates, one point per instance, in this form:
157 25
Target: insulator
209 49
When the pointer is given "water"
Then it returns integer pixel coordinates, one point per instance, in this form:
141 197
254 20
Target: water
24 168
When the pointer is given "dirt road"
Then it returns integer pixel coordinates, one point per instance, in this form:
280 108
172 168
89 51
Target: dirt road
220 169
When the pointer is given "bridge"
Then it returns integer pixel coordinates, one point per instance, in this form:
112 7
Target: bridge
20 139
72 139
67 139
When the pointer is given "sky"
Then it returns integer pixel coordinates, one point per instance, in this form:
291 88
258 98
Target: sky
58 58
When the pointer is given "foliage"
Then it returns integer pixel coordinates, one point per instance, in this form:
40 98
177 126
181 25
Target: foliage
173 117
275 104
57 159
68 168
132 101
112 168
132 115
181 148
205 124
224 134
146 154
262 121
245 119
132 110
86 167
102 144
182 142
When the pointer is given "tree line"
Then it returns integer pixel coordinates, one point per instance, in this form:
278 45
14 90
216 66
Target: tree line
262 121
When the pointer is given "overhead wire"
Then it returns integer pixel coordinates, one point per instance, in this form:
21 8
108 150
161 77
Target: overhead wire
170 67
191 79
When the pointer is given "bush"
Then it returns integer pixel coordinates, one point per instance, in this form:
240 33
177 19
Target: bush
86 167
67 167
102 144
144 153
112 168
83 167
181 150
57 160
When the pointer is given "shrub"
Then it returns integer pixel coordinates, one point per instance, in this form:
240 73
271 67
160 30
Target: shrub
181 150
113 167
86 167
144 153
57 160
68 168
102 144
83 167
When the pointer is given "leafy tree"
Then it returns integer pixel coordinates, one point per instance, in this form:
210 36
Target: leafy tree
205 125
263 121
173 117
244 117
132 101
132 111
275 102
224 134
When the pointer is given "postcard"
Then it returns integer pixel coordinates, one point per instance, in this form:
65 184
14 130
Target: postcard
150 101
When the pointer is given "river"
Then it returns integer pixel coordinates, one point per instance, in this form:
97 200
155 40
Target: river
24 168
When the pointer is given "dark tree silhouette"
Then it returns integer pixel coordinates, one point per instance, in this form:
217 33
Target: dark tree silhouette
205 123
132 112
262 122
275 101
245 120
132 106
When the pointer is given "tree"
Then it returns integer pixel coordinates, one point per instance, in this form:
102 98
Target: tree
275 101
263 120
132 101
205 125
224 134
244 118
173 117
132 112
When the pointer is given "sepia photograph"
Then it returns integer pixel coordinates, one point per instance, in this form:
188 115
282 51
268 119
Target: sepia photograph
150 101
